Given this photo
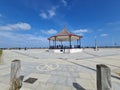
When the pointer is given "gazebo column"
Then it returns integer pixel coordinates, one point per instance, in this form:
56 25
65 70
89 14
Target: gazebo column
80 42
55 42
61 45
70 41
49 43
61 42
77 43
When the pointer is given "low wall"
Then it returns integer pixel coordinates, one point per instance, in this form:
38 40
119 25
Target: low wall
74 50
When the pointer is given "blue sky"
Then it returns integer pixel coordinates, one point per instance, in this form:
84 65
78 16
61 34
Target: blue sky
28 23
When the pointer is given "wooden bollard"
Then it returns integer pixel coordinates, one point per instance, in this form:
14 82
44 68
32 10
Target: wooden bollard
103 77
15 80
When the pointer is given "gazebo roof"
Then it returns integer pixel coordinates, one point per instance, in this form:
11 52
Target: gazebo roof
64 32
64 35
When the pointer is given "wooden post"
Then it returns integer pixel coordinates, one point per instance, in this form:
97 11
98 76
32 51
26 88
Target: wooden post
15 80
103 77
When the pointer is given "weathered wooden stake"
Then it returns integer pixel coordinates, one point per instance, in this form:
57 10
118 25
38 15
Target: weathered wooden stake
103 77
15 80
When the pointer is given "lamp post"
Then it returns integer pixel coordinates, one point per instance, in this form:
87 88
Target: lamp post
95 44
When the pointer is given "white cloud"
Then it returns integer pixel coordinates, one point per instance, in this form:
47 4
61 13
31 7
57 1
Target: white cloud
51 13
48 14
17 26
64 2
104 35
114 23
80 31
51 31
21 40
43 15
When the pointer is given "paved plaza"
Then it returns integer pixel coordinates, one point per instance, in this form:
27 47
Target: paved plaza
53 71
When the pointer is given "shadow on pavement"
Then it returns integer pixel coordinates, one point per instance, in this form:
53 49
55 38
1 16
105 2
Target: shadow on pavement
77 86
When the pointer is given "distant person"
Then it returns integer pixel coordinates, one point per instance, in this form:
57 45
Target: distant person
25 48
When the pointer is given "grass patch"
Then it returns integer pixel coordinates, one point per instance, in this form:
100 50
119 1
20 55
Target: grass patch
0 53
118 74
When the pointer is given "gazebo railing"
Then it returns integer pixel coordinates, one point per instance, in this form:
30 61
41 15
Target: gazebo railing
77 46
64 47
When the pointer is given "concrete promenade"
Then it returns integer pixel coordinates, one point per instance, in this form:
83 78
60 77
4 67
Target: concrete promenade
52 71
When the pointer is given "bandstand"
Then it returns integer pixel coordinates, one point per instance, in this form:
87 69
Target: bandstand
64 36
